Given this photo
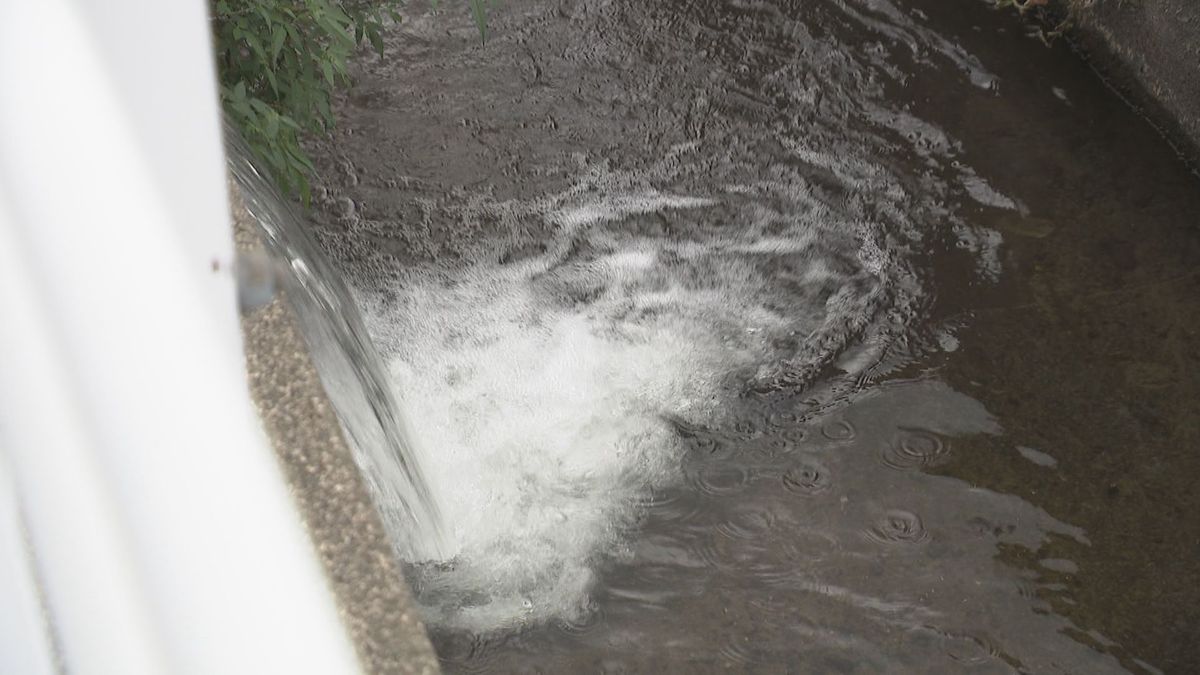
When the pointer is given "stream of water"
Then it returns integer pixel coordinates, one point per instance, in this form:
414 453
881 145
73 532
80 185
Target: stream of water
351 371
794 336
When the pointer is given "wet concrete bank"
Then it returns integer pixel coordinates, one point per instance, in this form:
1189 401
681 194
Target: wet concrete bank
1150 51
359 563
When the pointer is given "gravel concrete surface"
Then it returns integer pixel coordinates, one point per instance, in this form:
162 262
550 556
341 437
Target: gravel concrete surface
373 599
1150 50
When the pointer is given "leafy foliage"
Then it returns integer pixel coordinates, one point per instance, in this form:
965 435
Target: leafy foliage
280 61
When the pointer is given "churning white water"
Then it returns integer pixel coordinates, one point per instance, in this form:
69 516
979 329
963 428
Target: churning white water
544 389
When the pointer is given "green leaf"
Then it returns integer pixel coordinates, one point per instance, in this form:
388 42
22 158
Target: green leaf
479 12
255 45
376 39
271 127
278 37
260 107
294 34
243 109
326 113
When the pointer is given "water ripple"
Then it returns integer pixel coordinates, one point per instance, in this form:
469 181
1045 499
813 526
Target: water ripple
795 435
747 523
965 648
589 619
808 478
466 653
774 447
839 430
718 479
898 527
741 652
914 449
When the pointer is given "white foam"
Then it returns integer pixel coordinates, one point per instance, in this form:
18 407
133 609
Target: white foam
1037 456
619 206
546 426
983 192
540 389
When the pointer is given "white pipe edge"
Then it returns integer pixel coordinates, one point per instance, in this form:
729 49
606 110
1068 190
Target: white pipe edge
144 517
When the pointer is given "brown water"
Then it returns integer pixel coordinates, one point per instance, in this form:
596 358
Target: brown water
829 336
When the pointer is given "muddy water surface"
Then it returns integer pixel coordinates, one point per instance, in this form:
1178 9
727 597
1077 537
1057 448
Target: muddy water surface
827 336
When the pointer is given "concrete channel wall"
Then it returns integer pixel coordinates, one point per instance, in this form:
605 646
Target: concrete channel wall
373 599
1150 51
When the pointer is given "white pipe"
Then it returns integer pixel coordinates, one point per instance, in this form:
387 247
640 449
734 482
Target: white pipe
163 533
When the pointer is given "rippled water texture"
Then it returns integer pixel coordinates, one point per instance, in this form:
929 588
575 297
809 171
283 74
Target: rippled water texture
825 336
